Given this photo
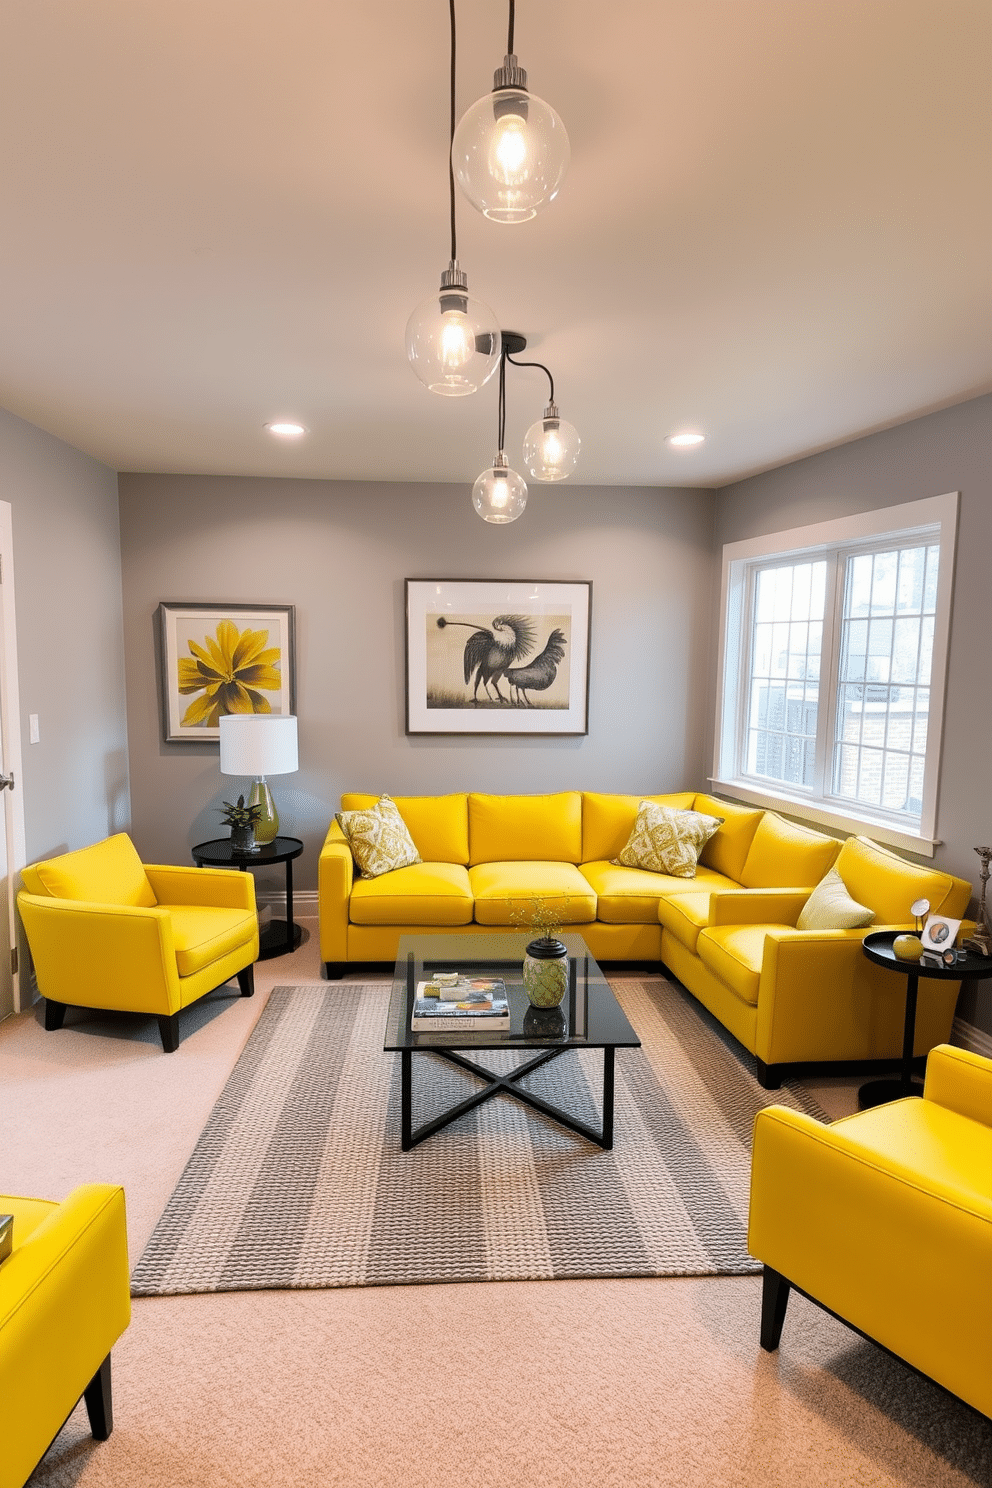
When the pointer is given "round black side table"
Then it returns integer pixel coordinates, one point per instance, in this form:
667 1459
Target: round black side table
878 948
279 936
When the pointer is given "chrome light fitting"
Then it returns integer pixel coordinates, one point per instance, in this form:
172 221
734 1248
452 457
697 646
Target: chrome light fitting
452 339
510 151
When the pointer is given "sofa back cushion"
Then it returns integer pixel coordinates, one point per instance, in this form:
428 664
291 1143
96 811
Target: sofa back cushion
109 872
437 824
784 855
503 829
607 821
728 848
888 884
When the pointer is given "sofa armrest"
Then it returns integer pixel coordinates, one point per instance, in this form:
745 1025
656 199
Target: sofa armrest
757 906
221 888
102 955
64 1302
335 878
960 1081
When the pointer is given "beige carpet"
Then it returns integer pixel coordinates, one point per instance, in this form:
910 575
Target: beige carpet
632 1382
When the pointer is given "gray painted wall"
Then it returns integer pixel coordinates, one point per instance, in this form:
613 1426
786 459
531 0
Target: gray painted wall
947 451
340 551
70 641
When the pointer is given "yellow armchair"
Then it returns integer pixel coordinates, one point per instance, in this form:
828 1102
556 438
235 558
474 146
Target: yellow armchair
105 931
885 1220
64 1302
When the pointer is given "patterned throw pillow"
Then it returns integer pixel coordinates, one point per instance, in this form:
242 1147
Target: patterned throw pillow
668 841
830 907
378 838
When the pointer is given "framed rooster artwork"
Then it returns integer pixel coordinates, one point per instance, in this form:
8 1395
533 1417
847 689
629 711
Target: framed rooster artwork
502 656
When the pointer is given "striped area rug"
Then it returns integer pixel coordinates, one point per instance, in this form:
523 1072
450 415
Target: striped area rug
298 1179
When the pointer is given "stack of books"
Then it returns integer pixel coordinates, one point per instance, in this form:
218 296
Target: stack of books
453 1001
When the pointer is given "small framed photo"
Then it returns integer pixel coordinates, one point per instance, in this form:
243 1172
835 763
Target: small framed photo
223 658
939 933
506 656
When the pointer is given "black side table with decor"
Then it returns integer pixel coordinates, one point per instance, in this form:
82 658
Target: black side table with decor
878 948
279 936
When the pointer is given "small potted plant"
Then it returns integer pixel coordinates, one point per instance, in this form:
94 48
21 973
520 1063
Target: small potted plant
241 819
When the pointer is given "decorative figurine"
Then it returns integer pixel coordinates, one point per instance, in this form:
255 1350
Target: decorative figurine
980 940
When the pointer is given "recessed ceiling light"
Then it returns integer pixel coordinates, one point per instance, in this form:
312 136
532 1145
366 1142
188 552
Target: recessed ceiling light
685 441
285 429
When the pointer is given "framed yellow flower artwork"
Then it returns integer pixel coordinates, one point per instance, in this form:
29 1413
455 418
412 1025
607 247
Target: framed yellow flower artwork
223 658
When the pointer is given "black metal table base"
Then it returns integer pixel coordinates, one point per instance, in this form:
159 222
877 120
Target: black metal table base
278 938
506 1085
880 1092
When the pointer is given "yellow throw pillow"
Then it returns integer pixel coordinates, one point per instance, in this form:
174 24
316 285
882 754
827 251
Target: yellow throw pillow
378 838
667 841
830 907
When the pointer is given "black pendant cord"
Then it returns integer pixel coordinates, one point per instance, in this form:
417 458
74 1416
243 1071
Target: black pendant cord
509 33
451 136
544 369
502 400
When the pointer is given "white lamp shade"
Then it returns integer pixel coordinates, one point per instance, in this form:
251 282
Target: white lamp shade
258 744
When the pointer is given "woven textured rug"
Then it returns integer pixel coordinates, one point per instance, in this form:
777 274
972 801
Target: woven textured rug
298 1179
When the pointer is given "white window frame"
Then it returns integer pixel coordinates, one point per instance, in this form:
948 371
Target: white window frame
934 518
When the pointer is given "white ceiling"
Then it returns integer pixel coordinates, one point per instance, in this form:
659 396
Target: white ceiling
776 228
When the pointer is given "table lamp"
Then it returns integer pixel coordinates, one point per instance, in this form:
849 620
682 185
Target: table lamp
259 744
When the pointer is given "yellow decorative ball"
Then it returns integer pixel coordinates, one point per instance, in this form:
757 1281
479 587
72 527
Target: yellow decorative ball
908 947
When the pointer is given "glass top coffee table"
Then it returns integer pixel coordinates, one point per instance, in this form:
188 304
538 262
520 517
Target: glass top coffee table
590 1018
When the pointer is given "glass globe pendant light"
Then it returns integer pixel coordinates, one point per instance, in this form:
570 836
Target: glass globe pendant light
551 446
500 494
452 339
510 151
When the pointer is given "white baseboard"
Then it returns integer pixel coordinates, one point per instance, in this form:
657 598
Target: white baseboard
304 903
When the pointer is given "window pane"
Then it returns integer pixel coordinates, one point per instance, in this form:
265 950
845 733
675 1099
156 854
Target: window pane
881 731
786 637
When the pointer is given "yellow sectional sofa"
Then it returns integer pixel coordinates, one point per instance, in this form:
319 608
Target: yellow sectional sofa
803 997
790 997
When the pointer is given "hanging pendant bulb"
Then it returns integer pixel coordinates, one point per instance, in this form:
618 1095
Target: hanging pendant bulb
510 151
500 494
551 447
452 340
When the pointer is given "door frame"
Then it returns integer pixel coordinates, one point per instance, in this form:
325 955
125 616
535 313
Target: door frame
11 762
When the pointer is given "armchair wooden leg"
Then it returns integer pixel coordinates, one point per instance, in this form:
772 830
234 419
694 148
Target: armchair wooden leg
168 1024
774 1300
99 1403
246 981
334 970
54 1014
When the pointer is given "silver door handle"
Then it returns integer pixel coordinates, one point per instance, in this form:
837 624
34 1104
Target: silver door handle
7 780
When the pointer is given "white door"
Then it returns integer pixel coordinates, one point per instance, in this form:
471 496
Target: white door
12 851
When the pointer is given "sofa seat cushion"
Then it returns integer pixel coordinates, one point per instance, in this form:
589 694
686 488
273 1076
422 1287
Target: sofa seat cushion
631 896
685 915
505 893
734 954
203 934
423 894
